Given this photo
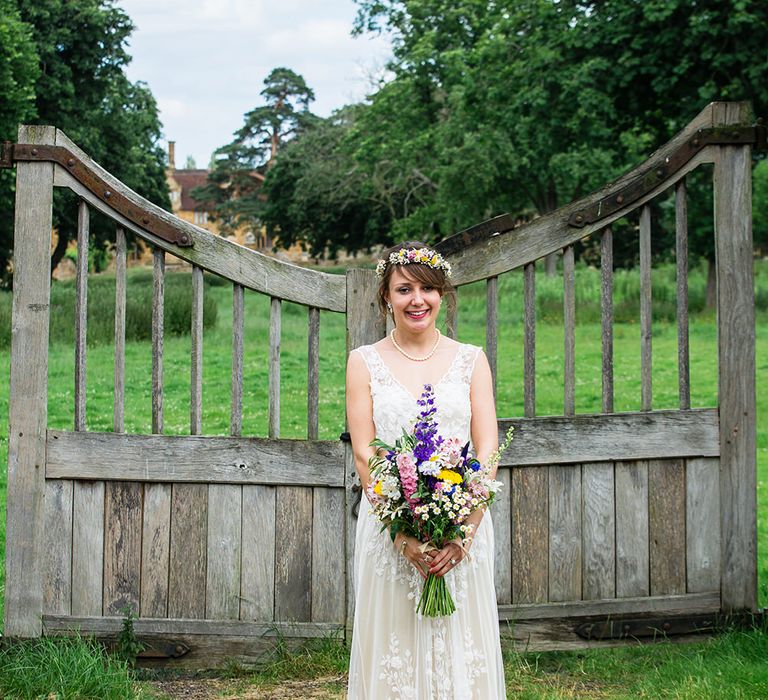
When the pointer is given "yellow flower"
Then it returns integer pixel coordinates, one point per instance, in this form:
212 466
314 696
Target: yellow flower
377 489
449 476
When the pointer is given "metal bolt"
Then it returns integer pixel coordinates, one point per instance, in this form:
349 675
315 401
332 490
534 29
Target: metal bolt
620 199
626 628
695 143
34 151
71 162
107 194
184 238
666 627
179 649
660 172
579 218
145 220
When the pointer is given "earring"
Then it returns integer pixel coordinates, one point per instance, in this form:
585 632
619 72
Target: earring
389 306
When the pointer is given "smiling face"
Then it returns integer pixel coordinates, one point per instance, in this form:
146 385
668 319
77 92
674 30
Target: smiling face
415 304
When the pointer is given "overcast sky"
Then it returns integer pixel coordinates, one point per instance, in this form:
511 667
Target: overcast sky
205 60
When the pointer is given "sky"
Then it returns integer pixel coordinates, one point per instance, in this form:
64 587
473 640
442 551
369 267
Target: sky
206 60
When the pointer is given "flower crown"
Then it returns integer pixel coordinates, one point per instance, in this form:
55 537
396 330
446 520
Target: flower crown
421 256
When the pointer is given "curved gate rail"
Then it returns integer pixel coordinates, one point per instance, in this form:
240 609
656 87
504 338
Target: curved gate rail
609 514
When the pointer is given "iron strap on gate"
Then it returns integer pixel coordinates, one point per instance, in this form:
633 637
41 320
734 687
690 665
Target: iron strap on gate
87 176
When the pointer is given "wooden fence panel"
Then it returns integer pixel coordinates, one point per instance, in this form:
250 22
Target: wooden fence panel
122 546
222 597
155 550
666 526
293 561
632 529
599 520
530 534
57 553
702 528
257 583
188 551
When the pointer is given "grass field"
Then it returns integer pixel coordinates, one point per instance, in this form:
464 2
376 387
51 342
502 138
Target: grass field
730 666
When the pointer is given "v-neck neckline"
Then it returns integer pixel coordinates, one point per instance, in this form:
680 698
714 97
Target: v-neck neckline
403 387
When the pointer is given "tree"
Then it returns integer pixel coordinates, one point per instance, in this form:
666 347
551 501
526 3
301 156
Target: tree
234 184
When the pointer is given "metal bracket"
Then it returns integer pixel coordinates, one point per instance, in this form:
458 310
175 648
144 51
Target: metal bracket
87 176
655 175
163 649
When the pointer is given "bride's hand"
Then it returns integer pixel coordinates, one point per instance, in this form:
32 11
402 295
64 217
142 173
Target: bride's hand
446 559
410 548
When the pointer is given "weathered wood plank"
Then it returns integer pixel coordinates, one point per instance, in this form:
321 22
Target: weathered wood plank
328 604
565 555
118 413
81 314
313 372
646 355
155 550
502 531
546 234
254 270
606 317
257 578
451 315
632 557
569 322
681 255
158 338
222 596
617 436
736 371
189 547
196 359
88 548
181 458
666 526
492 326
28 400
529 343
57 551
122 546
238 323
530 535
365 325
275 321
293 567
702 527
598 507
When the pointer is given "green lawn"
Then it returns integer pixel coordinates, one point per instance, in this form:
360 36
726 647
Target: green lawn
733 662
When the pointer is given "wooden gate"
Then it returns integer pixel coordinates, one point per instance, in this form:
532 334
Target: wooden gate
219 544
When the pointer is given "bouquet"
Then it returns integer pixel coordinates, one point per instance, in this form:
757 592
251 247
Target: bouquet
426 485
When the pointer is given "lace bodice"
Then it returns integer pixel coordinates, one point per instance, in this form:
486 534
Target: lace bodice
395 408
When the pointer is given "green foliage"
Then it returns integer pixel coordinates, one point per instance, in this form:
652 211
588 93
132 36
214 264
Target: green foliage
78 51
128 646
66 667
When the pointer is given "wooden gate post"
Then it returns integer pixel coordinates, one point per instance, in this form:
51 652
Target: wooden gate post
28 402
736 378
364 326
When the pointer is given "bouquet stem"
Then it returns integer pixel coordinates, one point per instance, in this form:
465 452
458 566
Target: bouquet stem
436 600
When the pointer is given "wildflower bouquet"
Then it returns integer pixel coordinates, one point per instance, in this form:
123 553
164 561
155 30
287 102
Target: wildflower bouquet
426 486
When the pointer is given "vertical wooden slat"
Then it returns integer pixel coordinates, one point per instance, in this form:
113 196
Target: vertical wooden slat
327 555
681 254
606 316
257 577
222 599
196 359
313 372
645 309
736 371
238 319
88 548
569 320
565 555
702 527
155 550
81 314
122 546
28 399
530 534
452 315
293 566
631 529
275 319
598 509
158 333
666 525
189 549
492 325
57 552
364 326
529 347
118 419
502 532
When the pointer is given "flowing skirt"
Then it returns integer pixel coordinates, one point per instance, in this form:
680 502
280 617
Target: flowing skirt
398 654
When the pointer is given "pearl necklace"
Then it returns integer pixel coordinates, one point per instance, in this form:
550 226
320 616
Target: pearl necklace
411 357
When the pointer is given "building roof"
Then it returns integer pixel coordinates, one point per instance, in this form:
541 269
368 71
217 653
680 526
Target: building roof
188 180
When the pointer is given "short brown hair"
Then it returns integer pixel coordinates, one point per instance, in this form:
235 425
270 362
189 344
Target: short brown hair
421 273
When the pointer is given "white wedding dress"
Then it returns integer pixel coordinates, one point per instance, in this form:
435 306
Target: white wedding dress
396 653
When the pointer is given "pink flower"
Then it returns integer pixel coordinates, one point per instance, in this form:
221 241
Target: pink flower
408 477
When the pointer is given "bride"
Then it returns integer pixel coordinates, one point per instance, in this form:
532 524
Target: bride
397 653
